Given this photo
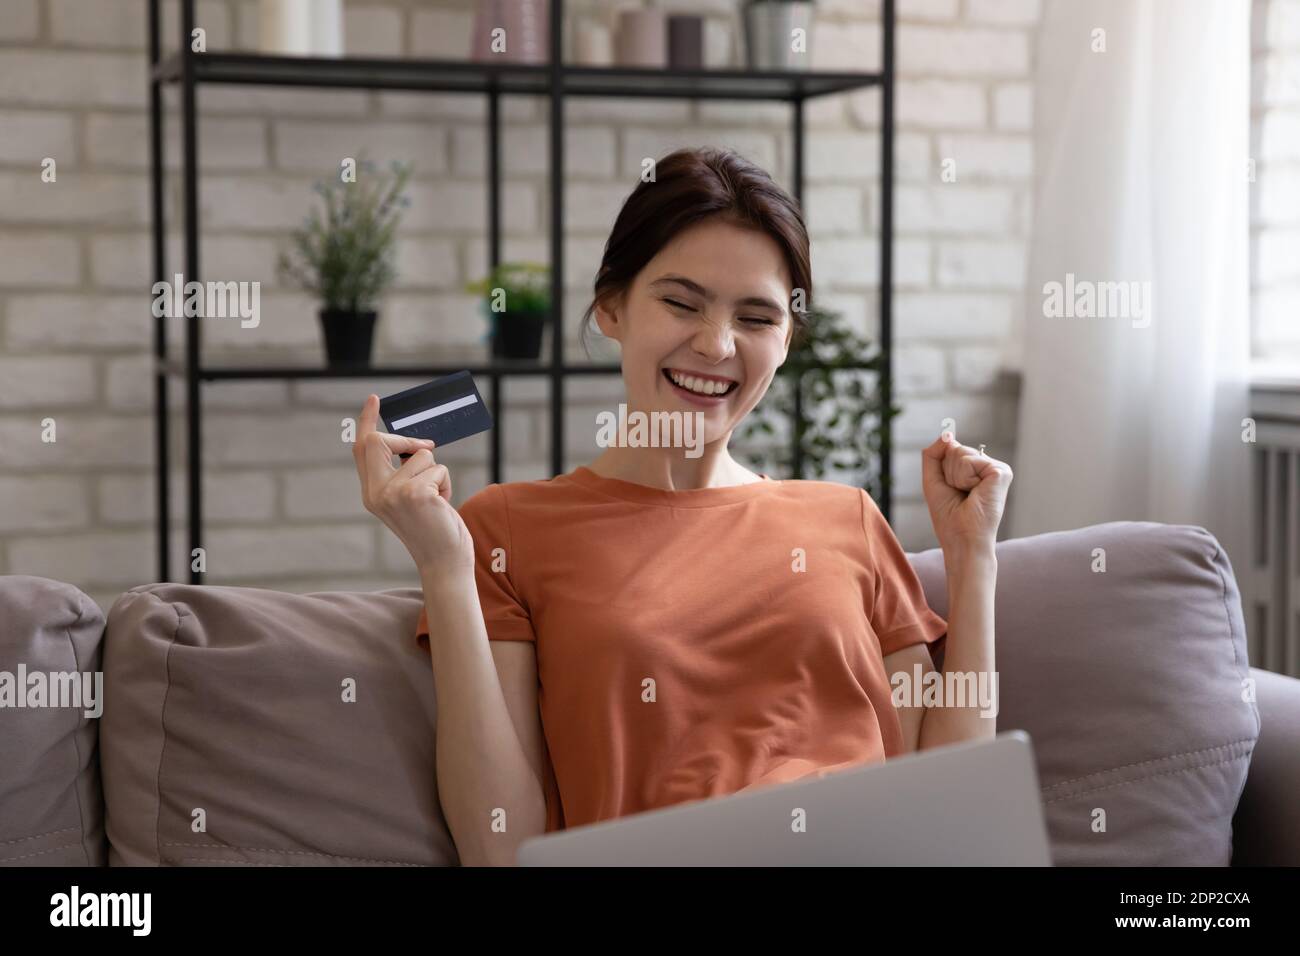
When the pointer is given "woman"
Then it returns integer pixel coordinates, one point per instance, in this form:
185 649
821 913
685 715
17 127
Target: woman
656 627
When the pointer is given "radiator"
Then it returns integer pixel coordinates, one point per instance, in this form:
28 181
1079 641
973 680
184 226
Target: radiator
1271 591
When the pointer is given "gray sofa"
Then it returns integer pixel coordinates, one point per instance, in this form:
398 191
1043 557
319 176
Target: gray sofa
244 726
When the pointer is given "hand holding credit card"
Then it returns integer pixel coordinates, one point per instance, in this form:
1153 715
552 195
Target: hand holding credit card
415 499
443 411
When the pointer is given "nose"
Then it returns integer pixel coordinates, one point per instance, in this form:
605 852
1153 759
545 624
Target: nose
714 340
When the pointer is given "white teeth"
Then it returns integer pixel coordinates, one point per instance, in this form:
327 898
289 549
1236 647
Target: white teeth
702 386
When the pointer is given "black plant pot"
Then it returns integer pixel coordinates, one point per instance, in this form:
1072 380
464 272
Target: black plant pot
518 334
348 336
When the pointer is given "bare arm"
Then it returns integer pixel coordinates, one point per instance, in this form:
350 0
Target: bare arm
972 575
903 662
966 492
489 738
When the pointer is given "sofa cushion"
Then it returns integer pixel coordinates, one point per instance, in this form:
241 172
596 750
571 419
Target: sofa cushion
1130 682
232 736
51 810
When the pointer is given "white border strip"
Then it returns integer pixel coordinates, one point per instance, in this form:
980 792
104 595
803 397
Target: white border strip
434 412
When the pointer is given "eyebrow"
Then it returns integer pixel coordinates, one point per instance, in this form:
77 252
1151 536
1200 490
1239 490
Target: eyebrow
755 300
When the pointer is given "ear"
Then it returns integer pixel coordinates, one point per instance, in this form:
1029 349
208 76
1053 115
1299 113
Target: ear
607 317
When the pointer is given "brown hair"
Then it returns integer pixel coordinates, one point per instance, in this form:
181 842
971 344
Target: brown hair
692 185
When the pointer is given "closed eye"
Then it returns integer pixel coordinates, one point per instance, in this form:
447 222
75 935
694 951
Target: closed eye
744 318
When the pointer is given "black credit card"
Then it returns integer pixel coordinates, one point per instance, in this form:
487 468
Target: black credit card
444 410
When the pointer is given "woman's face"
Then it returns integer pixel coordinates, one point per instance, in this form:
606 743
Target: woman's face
712 306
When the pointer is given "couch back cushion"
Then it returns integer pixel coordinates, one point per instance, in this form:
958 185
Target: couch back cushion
51 808
249 726
1131 683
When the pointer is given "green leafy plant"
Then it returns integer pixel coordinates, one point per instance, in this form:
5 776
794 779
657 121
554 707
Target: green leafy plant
526 287
344 254
843 426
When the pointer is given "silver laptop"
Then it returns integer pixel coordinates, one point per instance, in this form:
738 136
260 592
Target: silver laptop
969 804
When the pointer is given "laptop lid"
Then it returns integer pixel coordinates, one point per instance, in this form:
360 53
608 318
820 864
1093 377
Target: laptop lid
975 803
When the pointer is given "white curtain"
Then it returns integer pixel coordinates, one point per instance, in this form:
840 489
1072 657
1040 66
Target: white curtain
1141 153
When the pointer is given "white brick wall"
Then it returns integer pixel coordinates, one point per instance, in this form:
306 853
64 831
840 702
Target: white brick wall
21 21
76 321
1022 12
45 382
281 501
944 51
42 502
982 264
90 199
65 79
32 259
30 137
299 146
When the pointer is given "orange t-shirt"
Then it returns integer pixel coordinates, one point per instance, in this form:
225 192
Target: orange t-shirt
695 643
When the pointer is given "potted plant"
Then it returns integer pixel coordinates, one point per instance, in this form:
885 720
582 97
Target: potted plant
347 257
517 301
769 34
842 426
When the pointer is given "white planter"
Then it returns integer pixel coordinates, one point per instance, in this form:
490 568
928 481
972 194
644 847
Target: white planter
284 26
301 27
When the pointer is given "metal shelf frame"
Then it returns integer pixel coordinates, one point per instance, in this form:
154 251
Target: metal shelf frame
186 70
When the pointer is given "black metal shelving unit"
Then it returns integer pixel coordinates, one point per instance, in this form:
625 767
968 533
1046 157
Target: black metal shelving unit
186 70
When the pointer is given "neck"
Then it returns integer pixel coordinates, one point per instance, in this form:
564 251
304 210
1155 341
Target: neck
669 469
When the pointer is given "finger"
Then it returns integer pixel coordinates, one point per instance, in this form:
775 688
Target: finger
982 468
951 449
949 462
403 444
376 462
428 443
932 462
1000 471
368 422
369 416
966 467
379 448
365 425
955 469
421 460
439 477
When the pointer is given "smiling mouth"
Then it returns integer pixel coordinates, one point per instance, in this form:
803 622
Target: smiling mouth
696 385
